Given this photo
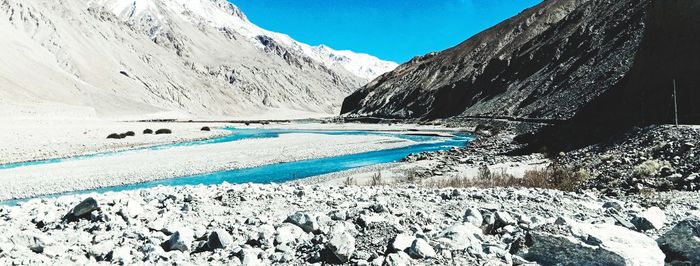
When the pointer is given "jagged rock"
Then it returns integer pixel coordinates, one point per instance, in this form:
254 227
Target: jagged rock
592 244
36 242
341 244
401 242
503 219
421 249
288 234
397 259
82 210
304 221
460 237
473 216
219 239
652 218
682 243
613 205
180 240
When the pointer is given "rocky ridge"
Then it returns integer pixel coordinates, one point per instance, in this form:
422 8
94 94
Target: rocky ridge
282 225
135 57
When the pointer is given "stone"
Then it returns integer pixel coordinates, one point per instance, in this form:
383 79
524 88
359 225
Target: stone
367 220
401 242
473 216
591 244
35 241
613 205
121 255
180 240
460 237
341 243
304 221
421 249
287 234
132 209
652 218
682 243
219 239
82 210
503 219
397 259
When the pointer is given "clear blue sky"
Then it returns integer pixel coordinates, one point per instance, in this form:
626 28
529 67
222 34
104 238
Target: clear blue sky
395 30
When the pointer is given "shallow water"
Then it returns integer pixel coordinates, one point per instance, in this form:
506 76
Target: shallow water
282 172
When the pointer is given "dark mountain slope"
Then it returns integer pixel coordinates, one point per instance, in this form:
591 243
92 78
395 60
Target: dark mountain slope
601 65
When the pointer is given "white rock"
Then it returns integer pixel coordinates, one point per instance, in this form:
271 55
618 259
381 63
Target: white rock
421 249
304 221
652 218
288 233
35 241
180 240
598 244
341 243
397 259
460 237
401 242
122 255
473 216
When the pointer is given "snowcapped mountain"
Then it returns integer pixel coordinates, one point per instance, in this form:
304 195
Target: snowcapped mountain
196 57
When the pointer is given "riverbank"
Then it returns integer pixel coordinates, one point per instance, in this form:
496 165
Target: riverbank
36 139
359 225
145 165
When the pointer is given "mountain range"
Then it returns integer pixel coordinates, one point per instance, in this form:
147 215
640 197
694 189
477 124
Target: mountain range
121 58
590 68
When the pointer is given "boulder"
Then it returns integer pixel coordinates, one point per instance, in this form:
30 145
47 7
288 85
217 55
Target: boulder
682 242
460 237
130 133
503 219
473 216
163 131
82 210
401 242
397 259
148 131
421 249
289 234
219 239
206 129
114 136
652 218
341 244
180 240
304 221
591 244
36 242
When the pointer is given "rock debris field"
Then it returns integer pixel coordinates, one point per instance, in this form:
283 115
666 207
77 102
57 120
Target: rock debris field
308 224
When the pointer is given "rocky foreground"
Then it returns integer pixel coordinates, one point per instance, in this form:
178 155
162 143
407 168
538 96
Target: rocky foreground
293 225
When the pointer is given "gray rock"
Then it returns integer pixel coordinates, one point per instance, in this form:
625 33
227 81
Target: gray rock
503 219
180 240
397 259
341 243
401 242
82 210
652 218
421 249
682 242
613 205
219 239
36 242
304 221
460 237
592 244
473 216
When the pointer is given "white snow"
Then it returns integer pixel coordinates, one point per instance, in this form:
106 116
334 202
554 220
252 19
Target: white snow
220 14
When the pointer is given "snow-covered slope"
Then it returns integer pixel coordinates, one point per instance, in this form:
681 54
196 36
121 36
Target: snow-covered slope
118 58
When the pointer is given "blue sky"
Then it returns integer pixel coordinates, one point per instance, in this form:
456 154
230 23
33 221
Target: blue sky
395 30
